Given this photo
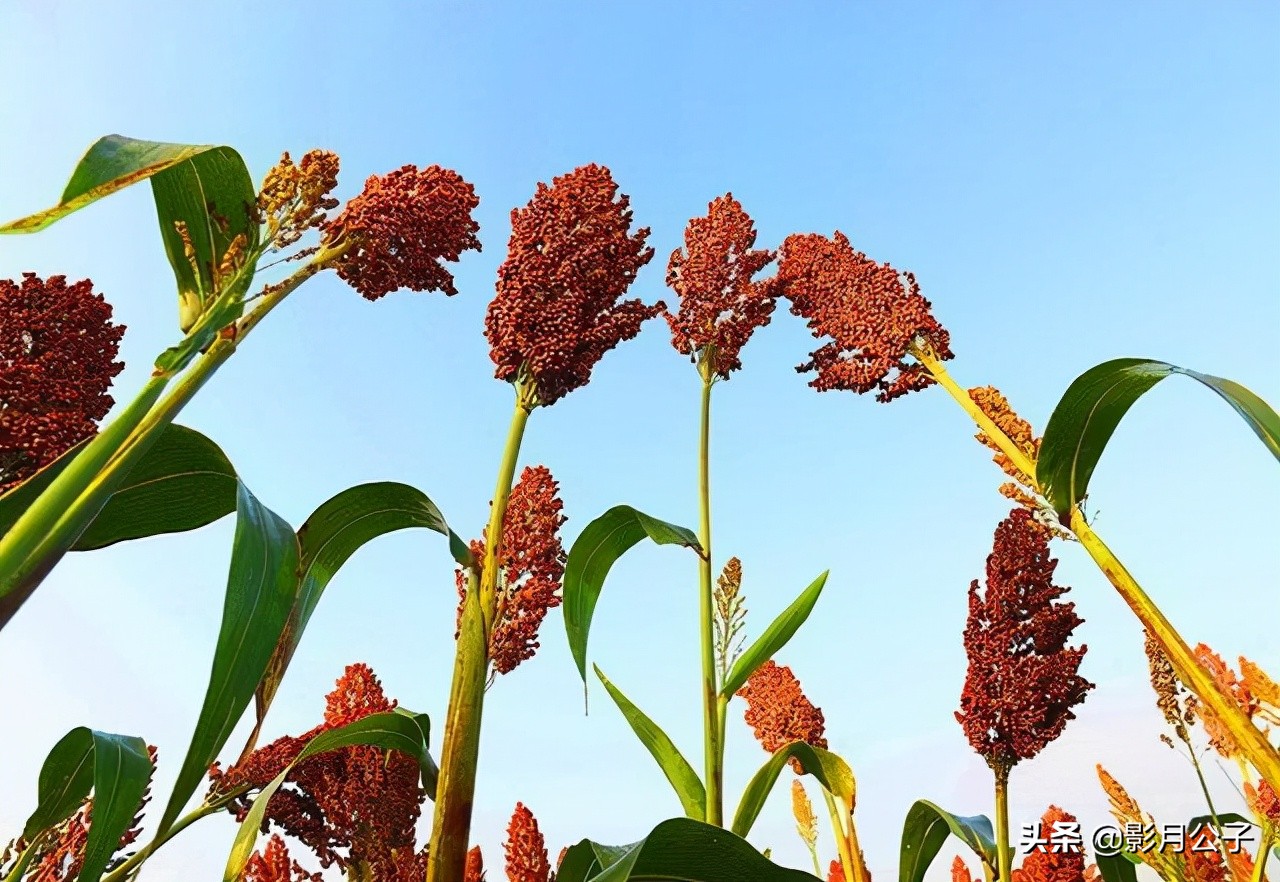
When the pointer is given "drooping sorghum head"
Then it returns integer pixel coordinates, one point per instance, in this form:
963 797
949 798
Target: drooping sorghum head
531 566
960 872
57 359
571 257
295 198
527 859
869 313
400 229
779 711
1022 680
1059 862
357 804
273 864
720 304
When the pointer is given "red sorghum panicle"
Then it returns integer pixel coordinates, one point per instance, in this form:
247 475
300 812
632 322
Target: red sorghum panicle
835 872
720 305
869 312
525 848
273 864
1056 863
355 804
57 359
1022 680
1263 802
570 259
474 871
531 561
779 712
1219 734
400 229
959 872
1203 861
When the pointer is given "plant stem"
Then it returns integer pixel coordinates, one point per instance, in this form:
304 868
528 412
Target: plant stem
123 871
53 523
1204 788
1253 743
712 734
1261 858
847 862
1004 854
460 753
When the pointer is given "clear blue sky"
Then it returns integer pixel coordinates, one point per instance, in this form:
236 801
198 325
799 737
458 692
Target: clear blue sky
1069 184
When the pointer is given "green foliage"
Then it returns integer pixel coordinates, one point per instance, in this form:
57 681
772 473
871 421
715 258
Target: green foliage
1091 409
925 830
776 636
832 772
682 850
594 553
261 588
116 767
684 780
395 730
335 531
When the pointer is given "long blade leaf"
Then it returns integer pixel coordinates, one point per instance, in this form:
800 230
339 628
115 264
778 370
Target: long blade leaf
594 553
684 780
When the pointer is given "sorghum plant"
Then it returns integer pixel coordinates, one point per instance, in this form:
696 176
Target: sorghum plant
1023 680
558 310
216 230
721 305
878 333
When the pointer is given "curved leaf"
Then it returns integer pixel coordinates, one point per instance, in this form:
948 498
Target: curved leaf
117 767
1115 867
926 829
1087 416
260 593
335 531
828 768
401 731
782 629
183 482
684 780
691 851
213 195
110 165
600 544
579 863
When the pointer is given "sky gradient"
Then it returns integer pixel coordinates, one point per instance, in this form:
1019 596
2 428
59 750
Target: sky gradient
1069 185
